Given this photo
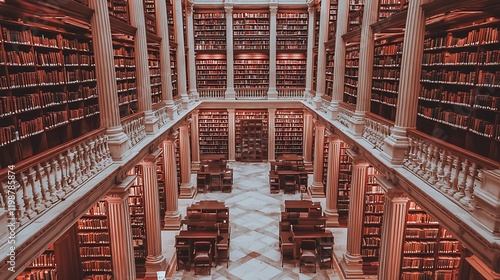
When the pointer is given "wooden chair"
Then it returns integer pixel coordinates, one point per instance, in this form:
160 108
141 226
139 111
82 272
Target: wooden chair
290 184
202 255
308 254
201 183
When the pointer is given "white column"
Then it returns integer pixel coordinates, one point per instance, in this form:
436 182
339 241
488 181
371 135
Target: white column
317 188
339 58
181 53
397 143
230 93
332 182
365 70
231 145
324 21
165 74
120 231
106 81
271 137
308 141
172 216
195 142
187 188
272 93
155 260
352 262
393 232
310 46
144 103
191 56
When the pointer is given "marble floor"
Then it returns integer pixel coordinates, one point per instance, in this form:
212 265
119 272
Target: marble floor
254 217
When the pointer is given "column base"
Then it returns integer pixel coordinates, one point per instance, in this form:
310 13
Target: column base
230 94
317 190
332 218
150 122
194 93
172 221
185 101
169 104
352 266
487 199
272 93
187 191
333 110
317 102
155 264
117 143
357 124
396 146
308 165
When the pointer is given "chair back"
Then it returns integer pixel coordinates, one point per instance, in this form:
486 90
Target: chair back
202 246
308 244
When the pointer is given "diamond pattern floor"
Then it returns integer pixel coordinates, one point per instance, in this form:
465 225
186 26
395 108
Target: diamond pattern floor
254 216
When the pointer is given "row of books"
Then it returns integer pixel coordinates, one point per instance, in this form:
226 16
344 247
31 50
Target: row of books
485 35
444 58
419 247
93 238
451 77
95 251
389 49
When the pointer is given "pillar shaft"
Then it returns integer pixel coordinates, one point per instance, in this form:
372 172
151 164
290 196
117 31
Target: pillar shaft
172 216
332 182
323 36
231 145
393 233
310 46
195 143
317 188
272 92
191 55
106 83
339 58
155 261
230 93
120 232
187 188
308 141
271 156
181 55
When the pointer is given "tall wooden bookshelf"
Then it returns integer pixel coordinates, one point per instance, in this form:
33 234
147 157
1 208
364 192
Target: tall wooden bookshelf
213 132
385 77
48 92
326 148
251 135
332 22
173 68
124 56
289 130
210 46
355 14
177 149
251 49
351 73
330 64
119 9
94 243
387 8
42 267
154 72
345 174
160 167
372 223
138 219
429 250
460 89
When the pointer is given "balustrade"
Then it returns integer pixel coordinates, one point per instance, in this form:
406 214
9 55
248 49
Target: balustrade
133 126
375 131
290 93
162 116
207 94
257 93
43 181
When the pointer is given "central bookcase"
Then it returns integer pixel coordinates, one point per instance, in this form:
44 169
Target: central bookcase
251 135
289 132
213 132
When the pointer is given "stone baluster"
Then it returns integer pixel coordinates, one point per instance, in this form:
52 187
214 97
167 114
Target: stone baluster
469 187
434 165
409 154
83 163
64 175
428 161
21 214
36 191
455 174
440 169
461 186
45 170
27 196
447 174
56 174
88 153
422 159
78 179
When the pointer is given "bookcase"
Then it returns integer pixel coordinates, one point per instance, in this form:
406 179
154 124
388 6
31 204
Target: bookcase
388 8
326 148
48 92
385 77
173 68
149 7
289 130
251 49
355 14
213 132
251 135
137 218
154 72
291 30
332 25
372 223
460 90
42 267
119 9
291 71
160 167
177 150
94 243
124 56
345 174
351 73
330 64
429 250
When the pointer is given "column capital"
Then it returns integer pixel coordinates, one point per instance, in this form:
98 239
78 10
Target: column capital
120 192
273 8
228 7
271 111
357 159
152 157
231 111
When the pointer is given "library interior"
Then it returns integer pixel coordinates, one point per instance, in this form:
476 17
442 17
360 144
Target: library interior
264 139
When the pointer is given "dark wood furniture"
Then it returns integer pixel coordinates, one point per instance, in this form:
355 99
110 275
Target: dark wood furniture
214 175
202 255
184 245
